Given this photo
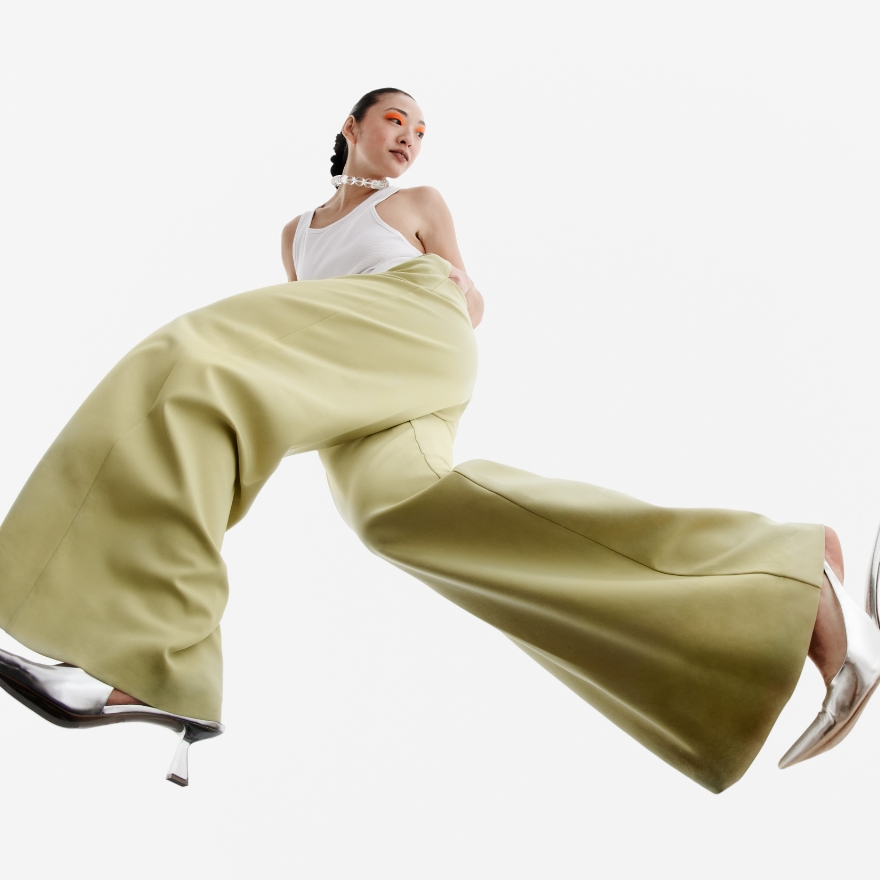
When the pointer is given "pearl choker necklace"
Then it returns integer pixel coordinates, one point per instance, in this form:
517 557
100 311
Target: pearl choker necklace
358 181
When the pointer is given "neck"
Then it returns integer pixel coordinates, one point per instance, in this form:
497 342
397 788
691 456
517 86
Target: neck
353 168
348 197
354 193
348 194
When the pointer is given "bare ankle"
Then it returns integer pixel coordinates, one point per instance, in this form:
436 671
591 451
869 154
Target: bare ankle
834 552
120 698
828 644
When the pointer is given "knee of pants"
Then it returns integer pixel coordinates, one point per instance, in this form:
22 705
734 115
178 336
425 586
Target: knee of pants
128 391
176 340
373 477
187 356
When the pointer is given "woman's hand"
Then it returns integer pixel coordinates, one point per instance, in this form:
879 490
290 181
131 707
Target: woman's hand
472 296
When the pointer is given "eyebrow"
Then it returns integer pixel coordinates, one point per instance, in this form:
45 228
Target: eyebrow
421 121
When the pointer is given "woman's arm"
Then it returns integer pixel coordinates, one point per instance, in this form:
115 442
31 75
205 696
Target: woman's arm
287 248
436 232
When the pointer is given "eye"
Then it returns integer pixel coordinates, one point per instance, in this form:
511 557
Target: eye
420 130
394 117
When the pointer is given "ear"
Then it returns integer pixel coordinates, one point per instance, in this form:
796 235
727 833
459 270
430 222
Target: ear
349 129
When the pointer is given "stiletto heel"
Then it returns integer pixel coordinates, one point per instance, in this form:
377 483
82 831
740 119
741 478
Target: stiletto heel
848 692
70 697
871 603
193 732
179 771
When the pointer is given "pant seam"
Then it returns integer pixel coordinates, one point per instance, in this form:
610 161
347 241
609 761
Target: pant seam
624 555
86 496
428 463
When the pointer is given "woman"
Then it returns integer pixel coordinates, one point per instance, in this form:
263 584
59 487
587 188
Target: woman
688 628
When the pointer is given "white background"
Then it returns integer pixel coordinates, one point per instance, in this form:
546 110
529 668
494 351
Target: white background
672 211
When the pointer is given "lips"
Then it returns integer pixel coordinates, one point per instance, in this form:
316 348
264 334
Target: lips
401 155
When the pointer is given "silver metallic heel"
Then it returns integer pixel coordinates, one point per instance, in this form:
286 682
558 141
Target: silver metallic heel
70 697
192 732
871 604
179 771
849 690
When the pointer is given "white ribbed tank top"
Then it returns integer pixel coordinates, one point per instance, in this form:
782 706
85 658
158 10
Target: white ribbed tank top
361 243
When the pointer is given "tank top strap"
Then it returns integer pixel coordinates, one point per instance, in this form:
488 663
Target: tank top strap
299 238
372 199
381 194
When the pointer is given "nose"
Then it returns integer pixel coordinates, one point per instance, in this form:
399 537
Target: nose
406 139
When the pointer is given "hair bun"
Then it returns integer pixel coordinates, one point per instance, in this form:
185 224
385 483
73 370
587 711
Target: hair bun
340 155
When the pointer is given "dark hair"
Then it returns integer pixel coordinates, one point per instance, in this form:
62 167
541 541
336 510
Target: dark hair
340 154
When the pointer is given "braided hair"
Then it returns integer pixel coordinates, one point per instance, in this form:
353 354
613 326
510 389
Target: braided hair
340 147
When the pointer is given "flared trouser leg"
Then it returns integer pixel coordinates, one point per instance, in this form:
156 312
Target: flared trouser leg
688 628
110 556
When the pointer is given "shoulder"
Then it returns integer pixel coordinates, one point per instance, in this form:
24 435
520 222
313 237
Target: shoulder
287 235
425 196
290 229
425 205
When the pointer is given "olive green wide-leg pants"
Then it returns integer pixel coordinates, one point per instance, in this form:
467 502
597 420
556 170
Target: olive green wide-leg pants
687 628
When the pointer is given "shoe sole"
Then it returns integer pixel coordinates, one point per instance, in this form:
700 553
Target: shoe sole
56 715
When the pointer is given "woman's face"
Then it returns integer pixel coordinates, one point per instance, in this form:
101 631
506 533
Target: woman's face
388 139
